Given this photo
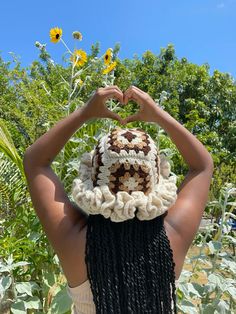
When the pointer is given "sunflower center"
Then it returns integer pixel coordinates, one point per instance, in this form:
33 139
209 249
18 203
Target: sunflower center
57 36
106 57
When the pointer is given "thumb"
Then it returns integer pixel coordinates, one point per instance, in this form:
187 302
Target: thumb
134 117
113 115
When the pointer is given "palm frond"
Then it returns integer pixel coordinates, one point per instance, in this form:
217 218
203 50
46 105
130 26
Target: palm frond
13 189
8 148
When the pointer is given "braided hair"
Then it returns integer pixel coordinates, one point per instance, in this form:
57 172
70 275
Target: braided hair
130 266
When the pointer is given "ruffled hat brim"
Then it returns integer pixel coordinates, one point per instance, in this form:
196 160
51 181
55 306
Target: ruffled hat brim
122 205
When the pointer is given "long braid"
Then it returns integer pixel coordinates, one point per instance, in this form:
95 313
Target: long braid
140 280
171 265
165 279
113 266
154 262
130 266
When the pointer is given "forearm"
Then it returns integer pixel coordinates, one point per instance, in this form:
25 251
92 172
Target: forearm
44 150
193 151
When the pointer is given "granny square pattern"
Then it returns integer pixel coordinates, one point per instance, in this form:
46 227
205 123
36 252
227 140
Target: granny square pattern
123 175
129 159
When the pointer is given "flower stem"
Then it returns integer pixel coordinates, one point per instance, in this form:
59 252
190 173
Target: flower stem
66 46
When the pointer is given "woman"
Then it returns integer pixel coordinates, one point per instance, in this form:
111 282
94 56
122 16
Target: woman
113 262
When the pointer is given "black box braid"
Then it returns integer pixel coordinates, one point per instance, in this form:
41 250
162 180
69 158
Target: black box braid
130 266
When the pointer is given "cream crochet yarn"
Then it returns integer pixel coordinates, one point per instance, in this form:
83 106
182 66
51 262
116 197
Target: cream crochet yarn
125 175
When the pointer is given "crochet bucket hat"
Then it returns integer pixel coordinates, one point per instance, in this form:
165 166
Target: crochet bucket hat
125 176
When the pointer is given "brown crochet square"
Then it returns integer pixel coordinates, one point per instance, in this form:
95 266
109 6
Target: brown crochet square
125 176
116 144
133 178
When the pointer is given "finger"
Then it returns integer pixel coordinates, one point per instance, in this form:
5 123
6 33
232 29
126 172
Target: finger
133 95
130 93
138 89
127 90
118 89
134 117
134 88
122 121
113 93
126 96
109 88
112 115
114 87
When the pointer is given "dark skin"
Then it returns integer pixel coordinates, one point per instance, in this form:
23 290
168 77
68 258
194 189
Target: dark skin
65 224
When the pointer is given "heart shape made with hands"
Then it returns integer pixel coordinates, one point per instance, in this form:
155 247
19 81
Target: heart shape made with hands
133 93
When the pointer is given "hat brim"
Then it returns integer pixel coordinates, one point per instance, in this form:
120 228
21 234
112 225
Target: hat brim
122 205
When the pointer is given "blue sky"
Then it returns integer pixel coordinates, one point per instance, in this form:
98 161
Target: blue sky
201 30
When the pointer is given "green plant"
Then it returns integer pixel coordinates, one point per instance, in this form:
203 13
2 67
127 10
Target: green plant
19 295
216 262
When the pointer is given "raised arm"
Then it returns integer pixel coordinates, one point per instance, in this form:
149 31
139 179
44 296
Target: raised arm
185 215
60 218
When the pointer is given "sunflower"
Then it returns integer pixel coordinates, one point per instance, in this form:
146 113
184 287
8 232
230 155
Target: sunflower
110 67
79 57
55 34
108 56
77 35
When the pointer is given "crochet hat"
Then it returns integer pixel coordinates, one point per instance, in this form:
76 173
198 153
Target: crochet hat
125 176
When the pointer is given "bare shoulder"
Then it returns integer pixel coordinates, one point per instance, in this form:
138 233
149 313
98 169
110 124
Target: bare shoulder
184 216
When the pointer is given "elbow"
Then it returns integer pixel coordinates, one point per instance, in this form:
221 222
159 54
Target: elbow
29 165
206 165
32 160
27 160
209 163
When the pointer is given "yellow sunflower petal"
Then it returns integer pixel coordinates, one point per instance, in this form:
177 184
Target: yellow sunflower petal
105 71
79 57
110 67
55 34
108 56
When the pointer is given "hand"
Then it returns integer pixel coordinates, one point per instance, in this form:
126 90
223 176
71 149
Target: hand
148 107
95 106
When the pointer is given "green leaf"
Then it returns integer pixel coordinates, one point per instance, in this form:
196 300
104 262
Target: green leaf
232 292
24 287
195 289
185 274
34 236
207 309
5 283
217 280
61 303
209 288
19 264
9 260
184 288
49 278
233 240
222 307
8 147
230 265
214 246
33 303
187 307
18 307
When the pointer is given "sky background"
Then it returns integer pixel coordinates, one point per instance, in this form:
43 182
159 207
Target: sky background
201 30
